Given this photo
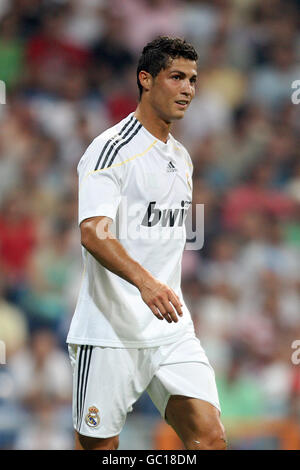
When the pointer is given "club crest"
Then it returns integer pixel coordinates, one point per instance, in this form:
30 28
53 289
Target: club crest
92 418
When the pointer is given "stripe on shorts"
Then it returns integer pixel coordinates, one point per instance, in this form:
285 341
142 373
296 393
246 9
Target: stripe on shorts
84 360
85 378
79 353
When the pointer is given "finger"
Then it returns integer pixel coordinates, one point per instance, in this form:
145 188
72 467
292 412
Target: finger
176 297
168 318
169 311
156 312
169 308
176 303
163 311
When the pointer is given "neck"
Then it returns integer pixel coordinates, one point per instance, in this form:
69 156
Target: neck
152 122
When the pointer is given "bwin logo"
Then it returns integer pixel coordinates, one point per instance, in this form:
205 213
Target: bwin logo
166 217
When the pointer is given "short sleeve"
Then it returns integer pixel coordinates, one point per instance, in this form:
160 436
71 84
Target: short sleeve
99 189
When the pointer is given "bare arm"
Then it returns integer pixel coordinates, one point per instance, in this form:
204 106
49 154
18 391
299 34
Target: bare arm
108 251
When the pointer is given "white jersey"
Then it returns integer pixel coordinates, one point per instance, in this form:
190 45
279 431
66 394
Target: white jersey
145 186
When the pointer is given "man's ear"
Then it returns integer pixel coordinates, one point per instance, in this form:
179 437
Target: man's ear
145 79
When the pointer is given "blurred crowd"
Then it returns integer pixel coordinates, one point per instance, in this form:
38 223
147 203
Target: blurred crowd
69 67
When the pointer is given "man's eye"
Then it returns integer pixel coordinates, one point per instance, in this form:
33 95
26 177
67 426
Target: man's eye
176 76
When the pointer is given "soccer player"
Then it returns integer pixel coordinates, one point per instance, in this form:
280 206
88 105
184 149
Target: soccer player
131 330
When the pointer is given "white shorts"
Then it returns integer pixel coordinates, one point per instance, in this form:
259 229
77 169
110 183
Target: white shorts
108 381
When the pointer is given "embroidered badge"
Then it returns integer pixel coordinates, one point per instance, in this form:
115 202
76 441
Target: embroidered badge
92 419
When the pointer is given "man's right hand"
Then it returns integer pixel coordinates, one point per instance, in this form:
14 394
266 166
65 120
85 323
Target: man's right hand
103 245
161 299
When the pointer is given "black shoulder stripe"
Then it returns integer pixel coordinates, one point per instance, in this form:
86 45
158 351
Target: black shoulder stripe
102 153
110 142
115 144
122 145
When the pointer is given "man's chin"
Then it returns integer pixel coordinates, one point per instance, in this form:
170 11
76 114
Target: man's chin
178 115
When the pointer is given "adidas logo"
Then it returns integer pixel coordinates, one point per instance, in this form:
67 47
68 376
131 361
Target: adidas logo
171 167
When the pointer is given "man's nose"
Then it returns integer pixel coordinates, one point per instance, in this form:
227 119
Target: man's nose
187 88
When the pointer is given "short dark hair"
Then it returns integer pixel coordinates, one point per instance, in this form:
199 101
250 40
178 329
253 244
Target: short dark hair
157 53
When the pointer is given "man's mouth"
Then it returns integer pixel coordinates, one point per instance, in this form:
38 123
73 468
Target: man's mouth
182 103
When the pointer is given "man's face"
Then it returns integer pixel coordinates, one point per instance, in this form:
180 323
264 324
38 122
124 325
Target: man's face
173 89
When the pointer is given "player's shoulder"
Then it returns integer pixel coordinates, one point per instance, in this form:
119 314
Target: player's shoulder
113 131
103 151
